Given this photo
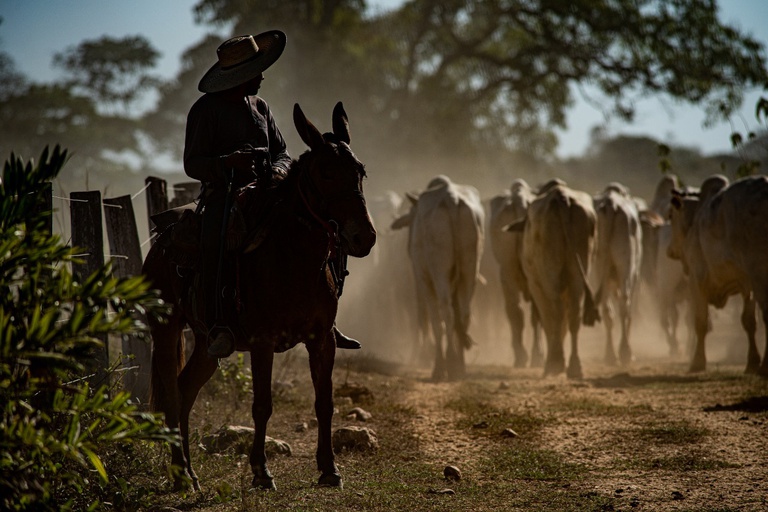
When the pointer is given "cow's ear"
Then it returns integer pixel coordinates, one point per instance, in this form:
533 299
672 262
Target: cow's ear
516 227
413 198
651 218
678 192
401 222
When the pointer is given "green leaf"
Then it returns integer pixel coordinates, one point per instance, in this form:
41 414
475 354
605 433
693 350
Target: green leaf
96 462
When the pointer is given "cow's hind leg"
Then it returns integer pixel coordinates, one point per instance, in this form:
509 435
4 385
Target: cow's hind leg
625 317
669 318
262 356
701 319
537 352
321 359
610 352
439 332
764 366
574 324
749 323
515 317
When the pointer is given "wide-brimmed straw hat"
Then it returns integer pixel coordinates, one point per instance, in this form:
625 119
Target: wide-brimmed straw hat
241 59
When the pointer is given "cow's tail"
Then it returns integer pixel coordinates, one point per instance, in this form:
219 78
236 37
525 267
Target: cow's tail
590 312
466 272
465 340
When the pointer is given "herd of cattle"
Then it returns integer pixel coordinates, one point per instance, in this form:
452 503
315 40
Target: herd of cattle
580 259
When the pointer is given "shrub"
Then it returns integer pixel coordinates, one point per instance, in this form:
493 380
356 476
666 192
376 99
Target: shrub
53 425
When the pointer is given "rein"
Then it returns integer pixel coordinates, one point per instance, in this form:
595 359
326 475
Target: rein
331 226
336 260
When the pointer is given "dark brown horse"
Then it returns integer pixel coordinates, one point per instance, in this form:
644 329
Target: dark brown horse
287 292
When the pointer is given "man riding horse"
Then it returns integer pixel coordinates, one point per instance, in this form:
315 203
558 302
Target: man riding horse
232 140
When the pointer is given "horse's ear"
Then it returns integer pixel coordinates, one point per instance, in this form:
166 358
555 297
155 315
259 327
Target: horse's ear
340 123
307 131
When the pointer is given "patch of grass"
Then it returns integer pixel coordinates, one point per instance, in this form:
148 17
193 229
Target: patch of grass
678 432
691 460
590 406
687 462
525 461
666 436
493 419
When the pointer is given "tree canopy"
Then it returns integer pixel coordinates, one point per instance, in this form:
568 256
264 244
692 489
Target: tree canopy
441 80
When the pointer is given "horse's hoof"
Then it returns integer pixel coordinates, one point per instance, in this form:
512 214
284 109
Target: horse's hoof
265 483
330 480
183 483
262 479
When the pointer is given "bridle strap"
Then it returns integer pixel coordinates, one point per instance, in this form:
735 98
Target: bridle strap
331 226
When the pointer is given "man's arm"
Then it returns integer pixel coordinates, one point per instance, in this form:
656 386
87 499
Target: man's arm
278 152
200 161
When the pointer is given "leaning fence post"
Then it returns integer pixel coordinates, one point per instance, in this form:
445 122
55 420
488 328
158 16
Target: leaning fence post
44 205
157 199
185 193
125 251
88 237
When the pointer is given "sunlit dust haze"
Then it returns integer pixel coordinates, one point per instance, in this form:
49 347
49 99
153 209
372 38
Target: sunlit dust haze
378 305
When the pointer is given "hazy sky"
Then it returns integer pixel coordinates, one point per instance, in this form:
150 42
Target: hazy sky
33 30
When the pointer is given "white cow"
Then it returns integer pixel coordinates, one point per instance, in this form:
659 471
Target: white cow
558 242
616 268
445 245
667 283
721 236
508 252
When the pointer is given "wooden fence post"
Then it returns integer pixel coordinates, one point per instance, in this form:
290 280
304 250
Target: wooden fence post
45 205
87 235
157 199
125 250
185 193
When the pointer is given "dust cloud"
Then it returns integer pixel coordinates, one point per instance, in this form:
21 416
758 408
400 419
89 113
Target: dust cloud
378 305
379 308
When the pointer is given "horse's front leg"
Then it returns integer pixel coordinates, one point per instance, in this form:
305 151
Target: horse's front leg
321 358
262 355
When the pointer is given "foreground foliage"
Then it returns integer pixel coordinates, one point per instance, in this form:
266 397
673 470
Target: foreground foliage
54 426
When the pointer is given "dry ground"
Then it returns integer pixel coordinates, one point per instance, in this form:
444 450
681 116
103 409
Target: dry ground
648 437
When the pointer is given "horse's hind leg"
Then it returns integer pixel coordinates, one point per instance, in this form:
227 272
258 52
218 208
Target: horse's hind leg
262 356
196 373
321 359
167 360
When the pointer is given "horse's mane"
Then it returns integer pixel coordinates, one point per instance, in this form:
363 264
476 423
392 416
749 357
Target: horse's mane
295 169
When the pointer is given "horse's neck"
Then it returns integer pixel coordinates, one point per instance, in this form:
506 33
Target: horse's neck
297 226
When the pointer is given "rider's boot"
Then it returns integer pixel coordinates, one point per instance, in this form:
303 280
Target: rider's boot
343 341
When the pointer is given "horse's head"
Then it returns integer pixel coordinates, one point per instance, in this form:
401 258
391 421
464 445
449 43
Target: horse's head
332 182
